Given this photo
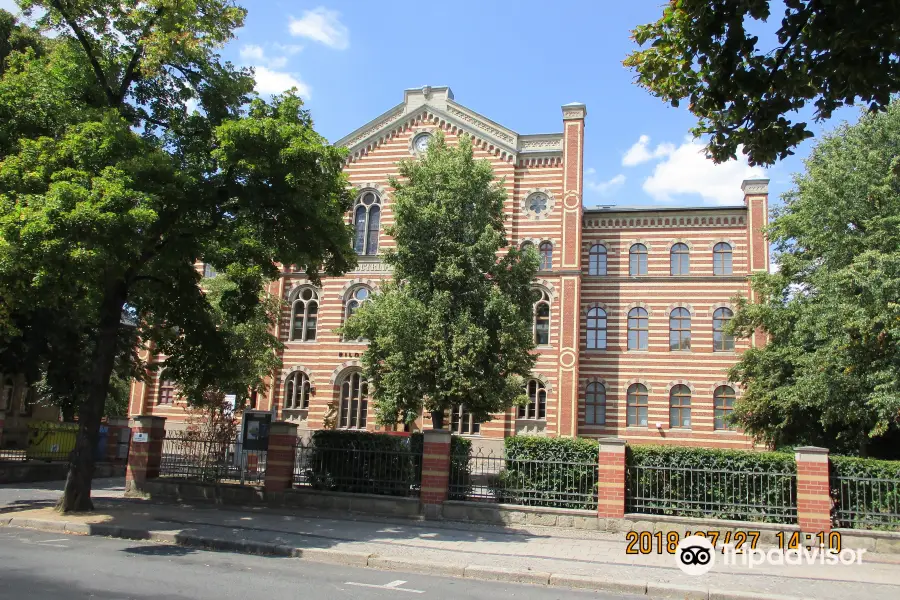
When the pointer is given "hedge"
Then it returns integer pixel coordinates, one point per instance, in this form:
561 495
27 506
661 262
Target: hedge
363 462
866 492
721 484
555 472
376 463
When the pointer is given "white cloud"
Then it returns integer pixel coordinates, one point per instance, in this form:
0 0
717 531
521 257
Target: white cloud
253 53
10 5
276 82
322 25
604 187
687 171
641 153
289 49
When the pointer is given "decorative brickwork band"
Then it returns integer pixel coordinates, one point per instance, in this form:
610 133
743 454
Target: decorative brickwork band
144 451
435 469
611 480
813 489
280 457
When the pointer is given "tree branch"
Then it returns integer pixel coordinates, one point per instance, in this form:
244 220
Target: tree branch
136 57
86 44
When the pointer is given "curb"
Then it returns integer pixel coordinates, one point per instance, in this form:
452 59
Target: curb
374 561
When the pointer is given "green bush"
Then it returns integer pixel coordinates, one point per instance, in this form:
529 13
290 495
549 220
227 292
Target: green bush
862 504
721 484
556 472
362 462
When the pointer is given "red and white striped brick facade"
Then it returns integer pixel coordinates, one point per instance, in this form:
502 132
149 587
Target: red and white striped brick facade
551 164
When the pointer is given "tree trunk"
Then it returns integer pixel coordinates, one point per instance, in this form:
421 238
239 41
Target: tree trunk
437 419
77 494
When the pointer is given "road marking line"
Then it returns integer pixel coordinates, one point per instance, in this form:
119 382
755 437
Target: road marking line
59 540
393 586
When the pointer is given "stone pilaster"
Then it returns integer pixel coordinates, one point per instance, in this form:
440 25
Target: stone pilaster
756 198
281 456
570 268
813 489
611 480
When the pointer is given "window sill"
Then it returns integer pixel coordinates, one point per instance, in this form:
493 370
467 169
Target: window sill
544 347
637 351
597 350
302 342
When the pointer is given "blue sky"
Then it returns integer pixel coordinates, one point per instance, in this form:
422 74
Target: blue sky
516 63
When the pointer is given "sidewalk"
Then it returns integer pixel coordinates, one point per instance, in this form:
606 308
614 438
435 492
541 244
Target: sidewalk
572 558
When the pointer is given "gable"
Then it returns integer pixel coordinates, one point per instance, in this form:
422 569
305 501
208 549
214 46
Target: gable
436 103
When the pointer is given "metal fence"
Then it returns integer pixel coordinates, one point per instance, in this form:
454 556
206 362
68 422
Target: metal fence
211 461
528 482
745 495
866 502
361 470
37 444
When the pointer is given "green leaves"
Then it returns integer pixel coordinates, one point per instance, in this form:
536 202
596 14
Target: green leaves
455 326
828 54
830 374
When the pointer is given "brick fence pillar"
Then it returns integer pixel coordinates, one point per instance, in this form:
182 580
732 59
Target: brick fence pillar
611 480
435 471
813 489
280 457
144 451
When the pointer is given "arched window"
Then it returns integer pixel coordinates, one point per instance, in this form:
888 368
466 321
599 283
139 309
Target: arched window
722 259
367 221
596 329
296 391
546 256
680 406
526 245
208 271
166 393
305 315
595 404
537 401
355 299
597 260
638 329
680 329
637 260
681 259
542 318
354 401
636 406
723 406
462 421
6 394
722 342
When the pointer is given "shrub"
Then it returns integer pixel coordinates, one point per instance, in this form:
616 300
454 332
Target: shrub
556 472
701 482
866 492
363 462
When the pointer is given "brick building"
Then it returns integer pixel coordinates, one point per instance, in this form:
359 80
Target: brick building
632 300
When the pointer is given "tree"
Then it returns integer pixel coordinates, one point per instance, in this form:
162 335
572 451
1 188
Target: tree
829 53
830 372
455 325
110 189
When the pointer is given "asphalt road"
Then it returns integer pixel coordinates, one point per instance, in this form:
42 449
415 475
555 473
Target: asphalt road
40 566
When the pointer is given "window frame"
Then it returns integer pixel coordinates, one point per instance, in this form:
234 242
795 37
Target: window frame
545 251
304 327
595 262
596 324
365 238
679 403
643 332
722 342
352 417
680 326
536 409
543 301
638 253
720 413
290 399
723 259
595 400
169 386
679 254
461 418
637 402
